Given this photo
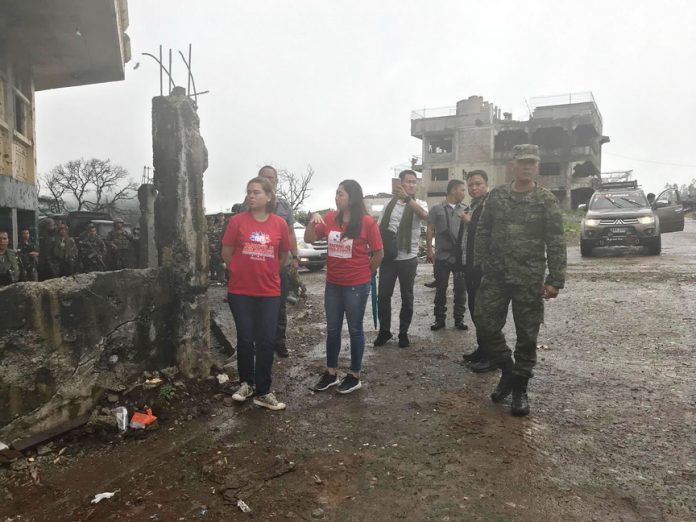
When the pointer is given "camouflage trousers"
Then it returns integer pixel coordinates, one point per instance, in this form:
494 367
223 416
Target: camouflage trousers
493 299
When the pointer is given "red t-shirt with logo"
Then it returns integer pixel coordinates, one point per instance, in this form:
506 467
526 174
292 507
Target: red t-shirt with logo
254 267
348 262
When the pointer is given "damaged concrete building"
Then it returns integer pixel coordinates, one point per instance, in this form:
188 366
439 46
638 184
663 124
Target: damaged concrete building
473 135
65 342
48 45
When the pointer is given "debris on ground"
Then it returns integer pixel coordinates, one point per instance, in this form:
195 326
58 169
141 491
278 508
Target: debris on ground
121 414
141 420
101 496
243 506
223 378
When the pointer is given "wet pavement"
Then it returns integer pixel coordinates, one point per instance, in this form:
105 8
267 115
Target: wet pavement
611 435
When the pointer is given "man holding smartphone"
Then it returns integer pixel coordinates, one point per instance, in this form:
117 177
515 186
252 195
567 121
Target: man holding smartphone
520 234
401 217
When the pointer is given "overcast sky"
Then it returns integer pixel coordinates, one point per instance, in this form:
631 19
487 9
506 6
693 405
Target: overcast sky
333 84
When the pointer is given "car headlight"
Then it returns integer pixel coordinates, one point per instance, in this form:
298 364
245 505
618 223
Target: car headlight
591 222
646 220
302 244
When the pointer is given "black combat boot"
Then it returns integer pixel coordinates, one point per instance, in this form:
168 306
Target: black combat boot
520 401
504 387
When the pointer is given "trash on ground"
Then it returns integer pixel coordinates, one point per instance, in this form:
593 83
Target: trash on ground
101 496
243 506
223 378
152 383
121 414
140 420
3 446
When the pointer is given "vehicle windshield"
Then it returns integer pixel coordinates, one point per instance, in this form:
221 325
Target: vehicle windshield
614 200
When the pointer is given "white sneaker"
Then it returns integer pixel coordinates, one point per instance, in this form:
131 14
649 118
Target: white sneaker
269 401
243 393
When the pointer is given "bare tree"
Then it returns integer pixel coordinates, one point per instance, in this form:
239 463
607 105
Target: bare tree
295 187
108 182
94 184
50 183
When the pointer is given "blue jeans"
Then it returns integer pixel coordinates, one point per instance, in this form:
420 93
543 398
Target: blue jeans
256 319
350 301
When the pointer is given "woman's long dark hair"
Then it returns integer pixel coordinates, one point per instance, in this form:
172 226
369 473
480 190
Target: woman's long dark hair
357 209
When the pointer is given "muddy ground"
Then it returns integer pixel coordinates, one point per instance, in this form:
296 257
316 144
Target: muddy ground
611 435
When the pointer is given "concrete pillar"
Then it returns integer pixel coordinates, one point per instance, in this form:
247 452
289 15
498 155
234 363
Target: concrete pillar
180 158
148 250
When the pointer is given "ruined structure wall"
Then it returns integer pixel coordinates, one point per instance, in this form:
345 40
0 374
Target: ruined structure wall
180 158
63 342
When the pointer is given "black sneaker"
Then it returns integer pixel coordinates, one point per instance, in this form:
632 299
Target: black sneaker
382 338
349 384
327 381
437 325
403 340
460 325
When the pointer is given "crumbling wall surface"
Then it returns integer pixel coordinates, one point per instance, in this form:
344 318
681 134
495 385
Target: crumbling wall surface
65 341
180 158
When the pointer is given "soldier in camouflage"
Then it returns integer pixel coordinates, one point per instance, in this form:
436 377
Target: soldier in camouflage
9 263
121 245
92 250
215 233
519 234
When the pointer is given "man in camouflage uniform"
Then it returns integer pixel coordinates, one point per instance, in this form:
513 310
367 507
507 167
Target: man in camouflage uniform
64 253
519 233
28 257
121 244
92 250
9 263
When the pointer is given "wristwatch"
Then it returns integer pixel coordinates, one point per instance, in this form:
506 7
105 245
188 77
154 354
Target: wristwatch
407 199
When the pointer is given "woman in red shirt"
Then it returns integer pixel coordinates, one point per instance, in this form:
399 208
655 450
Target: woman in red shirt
255 247
352 234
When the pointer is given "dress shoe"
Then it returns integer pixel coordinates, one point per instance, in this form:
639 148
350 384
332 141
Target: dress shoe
437 325
482 366
473 356
404 342
382 338
459 325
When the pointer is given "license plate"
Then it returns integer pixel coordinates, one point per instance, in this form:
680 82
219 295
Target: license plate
619 230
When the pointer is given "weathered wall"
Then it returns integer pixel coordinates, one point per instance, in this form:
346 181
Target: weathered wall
64 341
180 159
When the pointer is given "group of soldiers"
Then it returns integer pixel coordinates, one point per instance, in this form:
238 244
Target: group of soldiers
57 254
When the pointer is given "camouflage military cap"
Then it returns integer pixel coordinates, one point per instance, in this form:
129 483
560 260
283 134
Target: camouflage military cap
118 220
525 151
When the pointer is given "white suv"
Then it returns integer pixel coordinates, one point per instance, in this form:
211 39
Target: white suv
311 255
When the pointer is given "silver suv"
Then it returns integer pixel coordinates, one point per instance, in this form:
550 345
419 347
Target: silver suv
619 214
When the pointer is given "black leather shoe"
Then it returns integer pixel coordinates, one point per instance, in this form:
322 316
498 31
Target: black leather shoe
482 366
503 389
437 325
403 340
459 325
382 338
473 356
431 284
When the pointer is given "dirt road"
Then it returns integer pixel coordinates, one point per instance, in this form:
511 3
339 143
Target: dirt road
611 435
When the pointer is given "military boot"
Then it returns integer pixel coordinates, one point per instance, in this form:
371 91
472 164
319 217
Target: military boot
504 387
520 401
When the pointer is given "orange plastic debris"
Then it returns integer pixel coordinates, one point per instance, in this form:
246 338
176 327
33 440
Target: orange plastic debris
143 419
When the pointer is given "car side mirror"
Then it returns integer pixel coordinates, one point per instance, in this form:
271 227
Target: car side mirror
583 207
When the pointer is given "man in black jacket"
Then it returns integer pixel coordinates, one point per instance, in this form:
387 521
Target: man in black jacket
477 185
